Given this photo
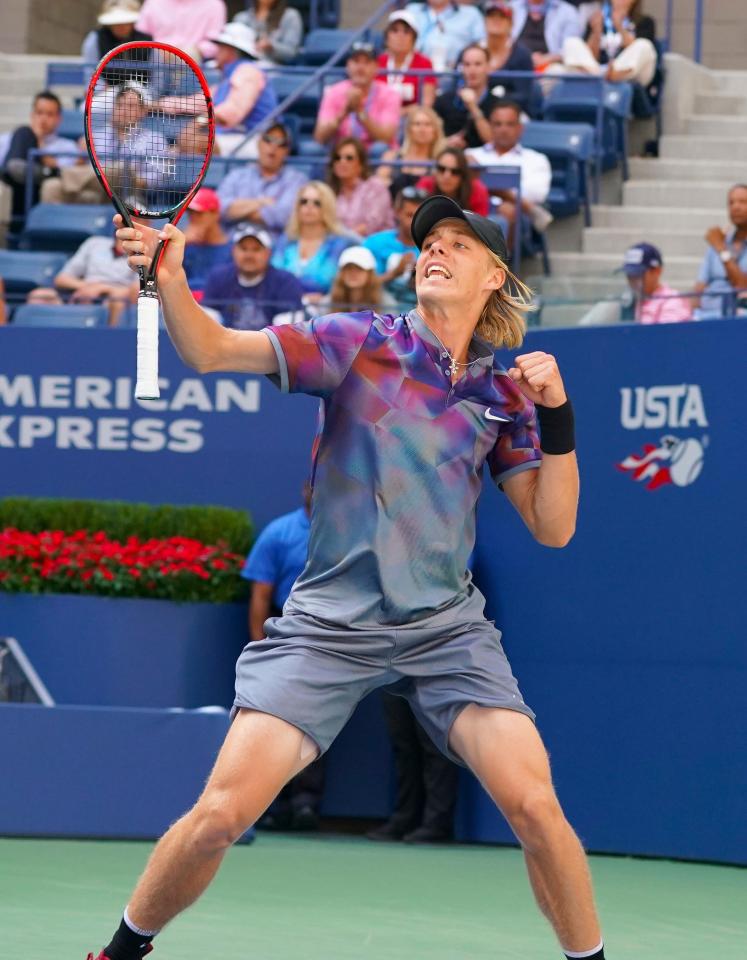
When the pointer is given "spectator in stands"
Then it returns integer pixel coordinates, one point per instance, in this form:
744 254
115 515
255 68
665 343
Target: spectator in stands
313 241
278 28
422 141
400 55
274 562
505 54
39 134
187 24
724 268
359 106
116 25
505 149
619 47
192 138
453 177
244 96
96 273
363 201
543 26
263 193
655 302
395 250
465 110
445 28
207 246
356 285
249 292
125 143
426 781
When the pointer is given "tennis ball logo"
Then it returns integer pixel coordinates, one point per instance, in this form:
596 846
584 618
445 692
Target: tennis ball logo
686 462
672 460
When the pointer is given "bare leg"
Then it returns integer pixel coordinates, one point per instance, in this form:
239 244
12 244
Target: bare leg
260 754
504 750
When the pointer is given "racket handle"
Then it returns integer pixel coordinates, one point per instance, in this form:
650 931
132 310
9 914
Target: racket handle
146 387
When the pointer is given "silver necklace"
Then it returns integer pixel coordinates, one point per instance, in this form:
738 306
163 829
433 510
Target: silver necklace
454 364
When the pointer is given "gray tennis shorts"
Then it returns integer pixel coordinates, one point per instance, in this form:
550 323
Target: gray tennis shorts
312 673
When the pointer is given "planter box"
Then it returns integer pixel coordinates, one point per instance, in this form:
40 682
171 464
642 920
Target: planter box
128 653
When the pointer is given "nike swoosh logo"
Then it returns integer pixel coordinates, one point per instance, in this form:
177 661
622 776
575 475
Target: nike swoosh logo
496 416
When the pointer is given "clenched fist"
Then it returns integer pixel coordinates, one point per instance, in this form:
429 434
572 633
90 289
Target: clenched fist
537 376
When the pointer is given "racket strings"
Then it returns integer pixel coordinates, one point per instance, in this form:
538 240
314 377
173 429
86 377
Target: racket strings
149 128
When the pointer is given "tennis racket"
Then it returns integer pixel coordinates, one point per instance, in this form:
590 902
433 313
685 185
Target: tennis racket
149 132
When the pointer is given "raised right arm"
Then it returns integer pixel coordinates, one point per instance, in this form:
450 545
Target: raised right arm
202 344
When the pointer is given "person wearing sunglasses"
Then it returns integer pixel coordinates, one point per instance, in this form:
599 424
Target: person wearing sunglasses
454 178
263 193
359 106
364 205
313 240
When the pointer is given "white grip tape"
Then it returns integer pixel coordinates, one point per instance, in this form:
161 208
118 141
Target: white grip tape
146 387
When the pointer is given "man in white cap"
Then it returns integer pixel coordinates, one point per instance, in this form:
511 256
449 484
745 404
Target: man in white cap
400 55
116 25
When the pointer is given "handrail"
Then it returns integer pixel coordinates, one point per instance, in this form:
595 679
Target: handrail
698 38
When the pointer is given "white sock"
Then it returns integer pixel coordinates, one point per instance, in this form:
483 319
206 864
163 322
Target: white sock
584 953
151 933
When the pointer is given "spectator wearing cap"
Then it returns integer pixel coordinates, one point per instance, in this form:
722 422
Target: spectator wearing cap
313 241
423 140
263 193
655 302
249 293
207 245
356 285
359 106
187 24
445 28
116 25
453 177
364 204
465 111
278 28
543 26
395 250
400 55
505 54
723 271
505 149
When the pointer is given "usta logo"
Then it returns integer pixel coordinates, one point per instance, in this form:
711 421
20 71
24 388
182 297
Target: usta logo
671 460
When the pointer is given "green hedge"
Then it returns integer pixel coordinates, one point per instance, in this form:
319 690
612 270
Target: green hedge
120 520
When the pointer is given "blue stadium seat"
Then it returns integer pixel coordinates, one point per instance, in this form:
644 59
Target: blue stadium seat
71 125
571 100
321 44
64 226
306 106
570 148
21 271
67 315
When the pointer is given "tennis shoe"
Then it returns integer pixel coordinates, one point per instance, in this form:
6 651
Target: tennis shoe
103 956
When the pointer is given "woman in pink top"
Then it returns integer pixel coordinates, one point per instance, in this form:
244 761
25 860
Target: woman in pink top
186 24
363 201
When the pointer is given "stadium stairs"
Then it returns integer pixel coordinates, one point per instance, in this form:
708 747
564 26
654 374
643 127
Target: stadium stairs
669 201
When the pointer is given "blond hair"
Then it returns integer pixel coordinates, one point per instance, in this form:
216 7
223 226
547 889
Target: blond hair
502 321
369 294
328 209
436 122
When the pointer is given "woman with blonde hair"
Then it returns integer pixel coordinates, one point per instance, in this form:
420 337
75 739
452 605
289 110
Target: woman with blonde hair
313 239
357 285
423 140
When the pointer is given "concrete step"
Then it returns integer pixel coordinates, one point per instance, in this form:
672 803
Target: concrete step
716 125
729 81
671 243
707 104
681 271
647 219
645 168
563 314
586 289
703 148
676 193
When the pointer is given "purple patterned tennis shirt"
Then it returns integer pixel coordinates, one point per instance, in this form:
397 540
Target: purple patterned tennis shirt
397 465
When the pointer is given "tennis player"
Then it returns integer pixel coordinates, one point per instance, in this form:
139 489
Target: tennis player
413 406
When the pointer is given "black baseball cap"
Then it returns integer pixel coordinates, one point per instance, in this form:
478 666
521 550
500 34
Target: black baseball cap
362 47
438 208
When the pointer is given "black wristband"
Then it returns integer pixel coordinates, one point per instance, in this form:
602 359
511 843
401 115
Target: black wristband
557 429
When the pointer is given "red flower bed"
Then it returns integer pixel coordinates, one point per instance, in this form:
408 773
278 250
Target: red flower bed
177 568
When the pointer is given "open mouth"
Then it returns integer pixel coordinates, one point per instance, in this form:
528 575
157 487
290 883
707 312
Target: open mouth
437 270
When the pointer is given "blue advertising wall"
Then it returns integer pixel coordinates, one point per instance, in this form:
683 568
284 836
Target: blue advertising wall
629 644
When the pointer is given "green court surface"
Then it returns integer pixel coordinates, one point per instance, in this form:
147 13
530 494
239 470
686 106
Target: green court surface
322 898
